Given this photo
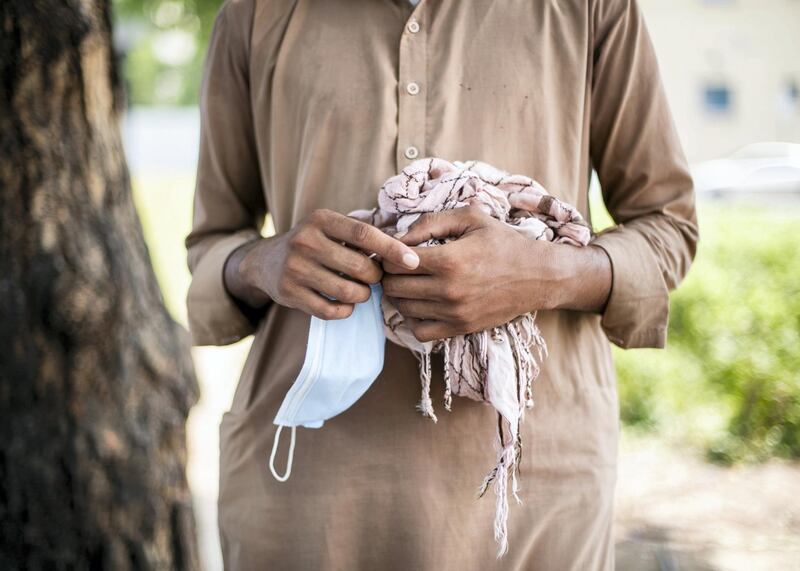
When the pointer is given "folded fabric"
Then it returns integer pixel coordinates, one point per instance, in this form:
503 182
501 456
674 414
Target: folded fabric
496 366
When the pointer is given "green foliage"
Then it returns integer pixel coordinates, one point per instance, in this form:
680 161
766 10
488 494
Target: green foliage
729 380
164 44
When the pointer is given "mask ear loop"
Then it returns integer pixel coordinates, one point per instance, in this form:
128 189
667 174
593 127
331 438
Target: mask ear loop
275 442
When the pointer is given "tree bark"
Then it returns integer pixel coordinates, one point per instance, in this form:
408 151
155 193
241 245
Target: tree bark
96 379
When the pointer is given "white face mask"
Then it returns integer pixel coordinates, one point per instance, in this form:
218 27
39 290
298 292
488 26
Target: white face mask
343 359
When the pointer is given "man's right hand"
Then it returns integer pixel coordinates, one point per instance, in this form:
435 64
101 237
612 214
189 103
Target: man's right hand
299 268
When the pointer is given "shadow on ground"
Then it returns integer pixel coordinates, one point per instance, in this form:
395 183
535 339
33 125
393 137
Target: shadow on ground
649 548
677 512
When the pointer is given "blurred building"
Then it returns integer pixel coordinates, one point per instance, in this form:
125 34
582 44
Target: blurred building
731 70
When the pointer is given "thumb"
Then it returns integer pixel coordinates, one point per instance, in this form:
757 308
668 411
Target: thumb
444 224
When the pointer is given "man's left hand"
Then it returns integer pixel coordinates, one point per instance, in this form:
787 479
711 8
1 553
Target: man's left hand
487 275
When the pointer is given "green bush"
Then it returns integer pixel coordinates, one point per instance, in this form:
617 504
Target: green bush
150 29
729 380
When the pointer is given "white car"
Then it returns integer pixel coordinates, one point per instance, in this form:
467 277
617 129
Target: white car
772 168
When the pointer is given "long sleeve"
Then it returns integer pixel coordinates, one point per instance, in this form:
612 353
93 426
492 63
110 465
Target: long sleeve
644 177
229 203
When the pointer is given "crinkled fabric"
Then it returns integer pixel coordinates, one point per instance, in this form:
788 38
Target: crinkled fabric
496 366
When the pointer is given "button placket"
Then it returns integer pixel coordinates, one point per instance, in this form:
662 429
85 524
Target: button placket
412 91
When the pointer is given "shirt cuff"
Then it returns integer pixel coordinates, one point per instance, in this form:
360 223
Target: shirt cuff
214 316
637 312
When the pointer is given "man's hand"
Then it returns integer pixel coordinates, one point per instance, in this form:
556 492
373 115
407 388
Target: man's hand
299 268
489 275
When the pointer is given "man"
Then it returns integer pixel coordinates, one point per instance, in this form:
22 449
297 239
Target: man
307 107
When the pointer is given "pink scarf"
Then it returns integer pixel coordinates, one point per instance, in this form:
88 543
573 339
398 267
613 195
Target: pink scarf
496 366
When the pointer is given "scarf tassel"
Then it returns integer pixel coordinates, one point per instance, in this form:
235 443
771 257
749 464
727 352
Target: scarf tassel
425 405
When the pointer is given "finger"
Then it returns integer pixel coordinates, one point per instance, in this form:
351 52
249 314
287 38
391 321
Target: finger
432 260
369 238
435 259
350 262
411 287
418 308
391 268
314 304
324 281
430 330
444 224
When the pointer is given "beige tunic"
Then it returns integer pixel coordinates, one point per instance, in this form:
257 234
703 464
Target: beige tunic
306 104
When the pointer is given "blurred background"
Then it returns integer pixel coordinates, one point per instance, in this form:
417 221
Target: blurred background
709 477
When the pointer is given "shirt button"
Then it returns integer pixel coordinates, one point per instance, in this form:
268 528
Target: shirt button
412 152
413 26
412 88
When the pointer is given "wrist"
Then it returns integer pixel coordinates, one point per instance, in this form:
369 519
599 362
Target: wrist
238 283
549 275
584 278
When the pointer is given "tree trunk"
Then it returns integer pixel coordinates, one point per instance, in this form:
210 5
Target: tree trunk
96 379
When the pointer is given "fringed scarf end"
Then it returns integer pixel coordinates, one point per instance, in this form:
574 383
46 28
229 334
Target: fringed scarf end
425 405
448 390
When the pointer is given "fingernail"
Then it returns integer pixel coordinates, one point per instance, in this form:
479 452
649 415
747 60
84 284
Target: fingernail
410 260
401 234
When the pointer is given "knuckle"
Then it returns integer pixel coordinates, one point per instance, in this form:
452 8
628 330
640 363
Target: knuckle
451 292
452 266
389 286
359 267
319 216
284 286
348 293
454 312
424 219
361 233
461 317
445 265
301 239
293 265
294 239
